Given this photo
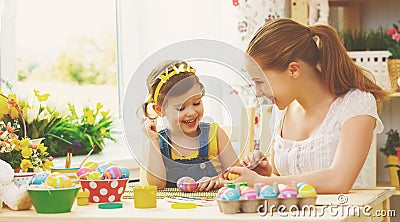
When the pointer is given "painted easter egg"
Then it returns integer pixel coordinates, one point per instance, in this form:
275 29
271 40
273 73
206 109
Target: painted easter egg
300 184
39 178
306 190
233 176
104 166
186 184
288 192
82 172
59 181
95 175
91 165
268 191
230 194
112 172
248 193
125 172
221 192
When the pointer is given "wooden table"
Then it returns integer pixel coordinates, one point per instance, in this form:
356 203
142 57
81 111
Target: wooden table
376 198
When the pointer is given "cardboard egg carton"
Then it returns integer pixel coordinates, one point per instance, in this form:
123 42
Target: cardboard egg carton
258 205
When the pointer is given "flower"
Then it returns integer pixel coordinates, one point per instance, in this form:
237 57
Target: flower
394 42
22 153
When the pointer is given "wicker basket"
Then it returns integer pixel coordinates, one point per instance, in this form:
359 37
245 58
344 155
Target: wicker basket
394 73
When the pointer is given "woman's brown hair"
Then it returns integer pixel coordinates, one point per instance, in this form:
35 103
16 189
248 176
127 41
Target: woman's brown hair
170 86
282 41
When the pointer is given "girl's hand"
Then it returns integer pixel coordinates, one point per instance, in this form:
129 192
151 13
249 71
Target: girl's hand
149 128
245 175
256 161
208 183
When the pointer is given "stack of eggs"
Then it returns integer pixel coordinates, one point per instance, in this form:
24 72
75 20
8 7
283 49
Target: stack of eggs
52 192
106 182
240 191
105 171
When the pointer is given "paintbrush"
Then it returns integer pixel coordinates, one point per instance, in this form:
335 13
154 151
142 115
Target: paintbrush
68 160
87 156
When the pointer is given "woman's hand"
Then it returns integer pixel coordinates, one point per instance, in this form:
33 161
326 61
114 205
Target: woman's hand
245 175
256 161
208 183
149 128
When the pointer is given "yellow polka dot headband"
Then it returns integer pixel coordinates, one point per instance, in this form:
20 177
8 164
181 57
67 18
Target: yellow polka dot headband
165 77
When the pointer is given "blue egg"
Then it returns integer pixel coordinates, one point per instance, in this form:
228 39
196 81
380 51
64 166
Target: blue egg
39 178
300 184
230 194
268 192
125 172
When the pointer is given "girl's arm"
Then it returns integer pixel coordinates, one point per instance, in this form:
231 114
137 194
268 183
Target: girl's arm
227 155
155 169
353 147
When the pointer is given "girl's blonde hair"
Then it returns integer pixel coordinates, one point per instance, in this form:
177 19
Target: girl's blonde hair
170 86
282 41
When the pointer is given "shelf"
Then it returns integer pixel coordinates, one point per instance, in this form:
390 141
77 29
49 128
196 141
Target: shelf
396 94
383 184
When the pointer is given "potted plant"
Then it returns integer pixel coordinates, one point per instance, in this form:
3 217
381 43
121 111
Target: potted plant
394 59
392 142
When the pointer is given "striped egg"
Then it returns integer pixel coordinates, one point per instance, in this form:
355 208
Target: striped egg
112 172
59 181
233 176
268 191
248 193
230 194
91 165
288 192
306 190
95 175
101 168
221 192
186 184
82 172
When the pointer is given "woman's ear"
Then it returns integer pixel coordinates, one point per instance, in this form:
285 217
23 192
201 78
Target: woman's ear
294 69
157 109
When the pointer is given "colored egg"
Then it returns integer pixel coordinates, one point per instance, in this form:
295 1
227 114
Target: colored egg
230 194
221 192
59 181
101 168
306 190
268 191
112 172
233 176
288 192
82 172
91 165
186 184
125 172
39 178
300 184
95 175
248 193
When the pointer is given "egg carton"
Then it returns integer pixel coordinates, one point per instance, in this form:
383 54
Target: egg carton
257 205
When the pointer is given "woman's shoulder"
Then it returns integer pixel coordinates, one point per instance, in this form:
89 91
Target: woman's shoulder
358 95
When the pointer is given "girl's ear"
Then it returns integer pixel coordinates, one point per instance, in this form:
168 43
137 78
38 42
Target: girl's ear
294 69
157 109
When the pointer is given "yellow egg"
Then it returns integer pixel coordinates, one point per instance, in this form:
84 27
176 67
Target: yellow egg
233 176
59 181
306 190
91 165
95 175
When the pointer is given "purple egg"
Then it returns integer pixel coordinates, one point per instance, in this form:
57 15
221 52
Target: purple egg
112 172
248 193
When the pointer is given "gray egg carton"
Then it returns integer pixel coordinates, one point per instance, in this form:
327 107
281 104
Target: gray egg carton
254 206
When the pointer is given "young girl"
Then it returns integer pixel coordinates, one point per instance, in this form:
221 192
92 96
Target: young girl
325 108
187 147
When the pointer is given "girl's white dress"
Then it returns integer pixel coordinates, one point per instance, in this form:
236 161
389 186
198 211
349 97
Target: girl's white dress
318 151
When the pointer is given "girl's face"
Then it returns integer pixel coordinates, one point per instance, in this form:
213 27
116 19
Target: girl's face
184 112
274 85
